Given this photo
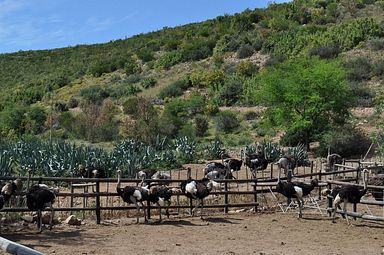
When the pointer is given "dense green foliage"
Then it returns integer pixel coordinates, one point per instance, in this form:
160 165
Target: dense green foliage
305 95
306 60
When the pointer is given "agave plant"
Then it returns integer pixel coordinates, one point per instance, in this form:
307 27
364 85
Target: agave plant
6 163
300 155
185 149
215 149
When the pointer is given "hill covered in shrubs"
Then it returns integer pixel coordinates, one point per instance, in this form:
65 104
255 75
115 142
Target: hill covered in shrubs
295 69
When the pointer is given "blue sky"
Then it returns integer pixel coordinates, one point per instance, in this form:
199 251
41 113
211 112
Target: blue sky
47 24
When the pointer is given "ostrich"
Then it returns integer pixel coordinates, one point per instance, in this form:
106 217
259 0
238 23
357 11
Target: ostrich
40 196
333 159
349 194
212 166
161 195
296 190
11 188
145 174
256 161
161 175
286 163
233 164
133 195
196 189
91 172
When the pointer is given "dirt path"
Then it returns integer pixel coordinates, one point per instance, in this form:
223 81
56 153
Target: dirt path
245 233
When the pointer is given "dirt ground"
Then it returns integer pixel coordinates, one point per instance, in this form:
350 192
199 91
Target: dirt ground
268 232
242 233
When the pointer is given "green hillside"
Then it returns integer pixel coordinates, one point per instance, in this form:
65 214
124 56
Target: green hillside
292 72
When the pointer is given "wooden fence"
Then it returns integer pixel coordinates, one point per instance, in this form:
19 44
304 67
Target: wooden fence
258 185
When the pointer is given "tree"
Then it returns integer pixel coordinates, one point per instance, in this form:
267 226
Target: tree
305 95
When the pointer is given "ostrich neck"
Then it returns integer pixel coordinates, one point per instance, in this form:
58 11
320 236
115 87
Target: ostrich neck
118 180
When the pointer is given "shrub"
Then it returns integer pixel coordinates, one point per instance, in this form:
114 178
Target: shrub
201 125
131 67
231 92
73 102
325 52
174 89
275 59
148 82
245 51
130 106
359 69
60 106
378 68
95 94
211 108
251 115
168 60
247 68
226 121
145 55
376 44
346 141
133 78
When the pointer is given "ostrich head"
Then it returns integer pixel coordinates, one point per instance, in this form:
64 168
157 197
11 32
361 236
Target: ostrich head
315 182
325 192
118 178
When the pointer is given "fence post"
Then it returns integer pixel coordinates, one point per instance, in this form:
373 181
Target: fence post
289 179
71 200
255 193
320 174
226 197
271 171
330 201
98 202
311 169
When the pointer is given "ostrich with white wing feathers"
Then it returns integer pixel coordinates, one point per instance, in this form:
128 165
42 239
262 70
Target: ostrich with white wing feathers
197 189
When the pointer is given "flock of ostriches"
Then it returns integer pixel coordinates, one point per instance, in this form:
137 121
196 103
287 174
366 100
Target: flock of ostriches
40 196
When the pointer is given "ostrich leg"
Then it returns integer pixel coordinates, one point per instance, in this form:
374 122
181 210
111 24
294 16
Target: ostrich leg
159 208
202 207
197 205
52 215
133 199
40 220
345 212
301 204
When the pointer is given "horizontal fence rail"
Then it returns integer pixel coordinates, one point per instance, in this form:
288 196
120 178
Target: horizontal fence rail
258 186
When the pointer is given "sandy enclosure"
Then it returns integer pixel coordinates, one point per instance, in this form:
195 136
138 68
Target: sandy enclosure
244 233
267 232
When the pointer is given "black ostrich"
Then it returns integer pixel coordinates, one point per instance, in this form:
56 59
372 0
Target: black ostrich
40 196
91 172
161 195
296 190
233 164
212 166
256 161
196 189
133 195
349 194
